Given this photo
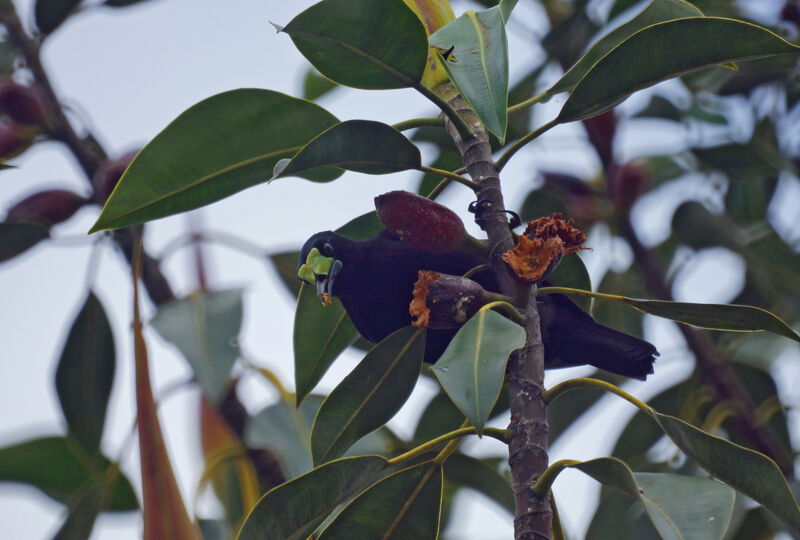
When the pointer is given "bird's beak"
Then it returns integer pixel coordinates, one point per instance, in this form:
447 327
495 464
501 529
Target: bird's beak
320 271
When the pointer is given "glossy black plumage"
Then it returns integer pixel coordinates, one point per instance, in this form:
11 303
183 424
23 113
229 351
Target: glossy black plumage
375 286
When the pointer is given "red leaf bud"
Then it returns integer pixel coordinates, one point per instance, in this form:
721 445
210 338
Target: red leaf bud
47 207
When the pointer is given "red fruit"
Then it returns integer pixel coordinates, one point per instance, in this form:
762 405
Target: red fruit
108 174
23 104
421 222
601 130
626 183
14 139
47 207
791 13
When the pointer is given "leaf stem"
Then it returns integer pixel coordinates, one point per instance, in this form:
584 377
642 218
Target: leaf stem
435 121
545 482
581 292
463 129
507 307
499 434
450 175
472 271
517 146
572 384
538 98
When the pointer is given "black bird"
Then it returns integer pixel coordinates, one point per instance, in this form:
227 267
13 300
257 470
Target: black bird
374 280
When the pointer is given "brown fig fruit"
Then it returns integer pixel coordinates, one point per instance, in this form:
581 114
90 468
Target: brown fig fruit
23 104
421 222
47 207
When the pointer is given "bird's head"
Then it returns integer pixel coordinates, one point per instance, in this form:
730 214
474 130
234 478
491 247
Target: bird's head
318 266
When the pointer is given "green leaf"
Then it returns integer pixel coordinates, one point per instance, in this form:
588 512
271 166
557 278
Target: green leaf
663 51
439 417
293 510
506 7
472 368
698 228
571 272
680 507
16 237
205 328
121 3
473 473
49 14
218 147
370 395
358 145
404 505
619 6
315 85
563 413
479 64
371 44
746 470
730 317
320 336
85 374
656 11
286 432
60 468
84 511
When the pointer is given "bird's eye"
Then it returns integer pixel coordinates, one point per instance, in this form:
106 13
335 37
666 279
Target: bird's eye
327 249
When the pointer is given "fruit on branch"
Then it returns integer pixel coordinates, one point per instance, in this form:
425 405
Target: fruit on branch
443 301
48 207
541 247
626 183
421 222
108 174
374 279
23 104
14 138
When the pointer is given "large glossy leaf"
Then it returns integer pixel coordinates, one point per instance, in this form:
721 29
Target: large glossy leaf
205 328
60 468
358 145
472 368
315 85
680 507
86 507
655 12
85 374
18 237
321 333
220 146
478 64
473 473
293 510
665 50
50 14
286 432
370 395
439 417
747 471
730 317
404 505
372 44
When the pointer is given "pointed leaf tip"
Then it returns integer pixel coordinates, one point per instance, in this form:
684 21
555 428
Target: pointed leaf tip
278 28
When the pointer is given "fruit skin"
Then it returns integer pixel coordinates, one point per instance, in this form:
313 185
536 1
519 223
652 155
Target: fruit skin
23 104
421 222
47 208
108 174
443 301
14 138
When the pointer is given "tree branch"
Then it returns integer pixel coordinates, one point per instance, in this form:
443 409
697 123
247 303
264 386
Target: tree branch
525 372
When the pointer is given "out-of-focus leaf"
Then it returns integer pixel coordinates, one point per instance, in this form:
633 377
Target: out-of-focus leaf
293 510
656 11
571 272
85 374
439 417
205 327
472 368
448 160
665 50
665 498
285 264
18 237
473 473
357 145
215 529
220 146
84 510
619 6
562 413
163 512
315 85
49 14
763 481
698 228
566 41
615 314
541 202
368 397
404 505
60 468
478 64
321 333
519 122
660 107
371 44
286 431
612 519
121 3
